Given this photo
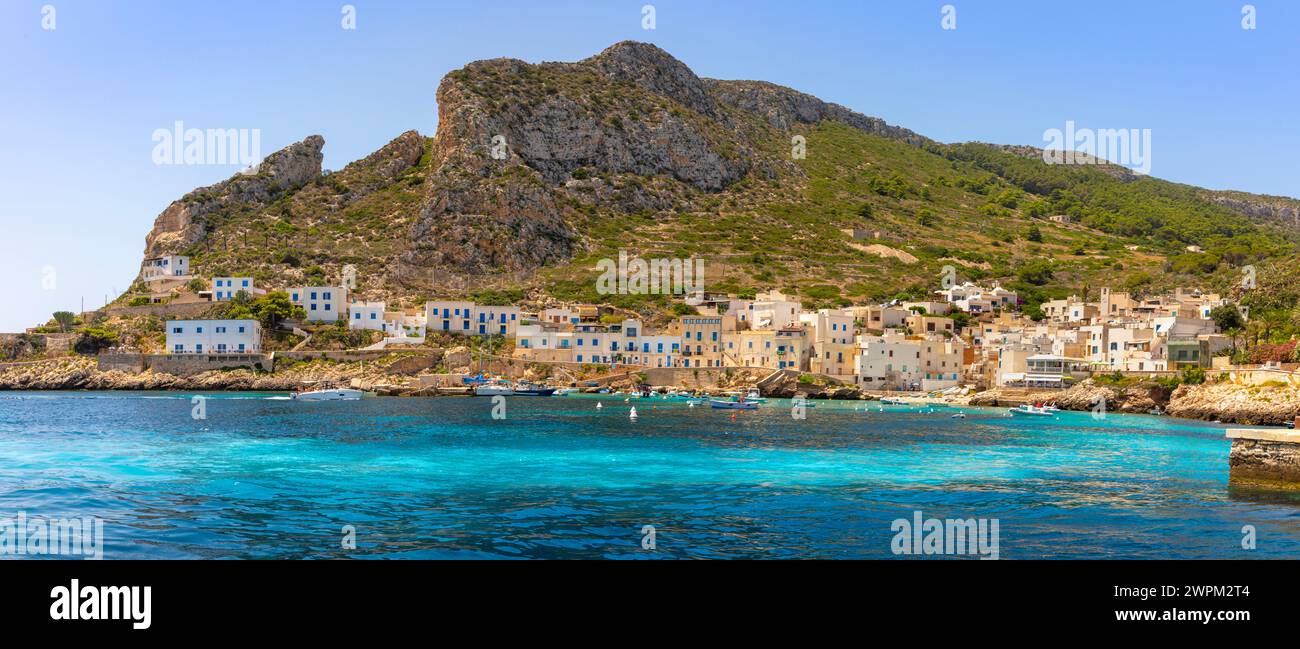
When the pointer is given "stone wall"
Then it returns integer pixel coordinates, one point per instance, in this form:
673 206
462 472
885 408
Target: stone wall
1264 457
181 364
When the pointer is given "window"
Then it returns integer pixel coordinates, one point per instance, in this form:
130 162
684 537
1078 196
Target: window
327 297
295 297
357 316
372 316
241 330
178 330
179 348
241 347
198 330
313 295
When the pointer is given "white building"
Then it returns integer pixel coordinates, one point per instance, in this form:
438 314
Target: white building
165 266
366 315
225 288
772 311
322 303
214 337
401 327
889 362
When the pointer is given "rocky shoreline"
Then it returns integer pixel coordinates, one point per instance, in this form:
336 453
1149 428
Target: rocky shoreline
1228 403
1223 402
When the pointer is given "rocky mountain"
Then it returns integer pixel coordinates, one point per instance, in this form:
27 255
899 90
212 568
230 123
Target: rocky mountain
538 170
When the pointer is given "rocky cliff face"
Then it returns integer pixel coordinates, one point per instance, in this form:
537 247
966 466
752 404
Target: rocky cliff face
184 222
534 165
1267 209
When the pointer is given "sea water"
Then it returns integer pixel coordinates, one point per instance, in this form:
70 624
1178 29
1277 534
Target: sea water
261 476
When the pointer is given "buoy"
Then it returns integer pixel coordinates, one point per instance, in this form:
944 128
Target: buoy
632 415
599 406
628 400
690 404
733 416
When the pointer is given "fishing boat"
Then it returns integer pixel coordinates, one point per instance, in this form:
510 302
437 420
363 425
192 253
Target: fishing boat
1032 411
890 401
728 404
326 392
530 389
494 388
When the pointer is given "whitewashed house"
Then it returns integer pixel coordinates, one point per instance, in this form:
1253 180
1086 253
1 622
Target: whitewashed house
322 303
214 337
167 266
225 288
366 315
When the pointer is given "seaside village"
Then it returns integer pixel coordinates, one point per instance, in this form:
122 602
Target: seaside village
899 346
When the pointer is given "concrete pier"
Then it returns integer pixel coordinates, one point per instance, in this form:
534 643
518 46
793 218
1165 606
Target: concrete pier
1264 456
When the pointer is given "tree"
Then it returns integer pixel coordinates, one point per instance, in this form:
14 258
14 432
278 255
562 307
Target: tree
65 319
1034 234
1226 317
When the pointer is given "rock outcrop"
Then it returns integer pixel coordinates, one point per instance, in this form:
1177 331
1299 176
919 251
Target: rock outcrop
1139 398
1236 404
184 222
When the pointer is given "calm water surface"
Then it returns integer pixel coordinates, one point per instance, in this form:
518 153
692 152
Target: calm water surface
265 477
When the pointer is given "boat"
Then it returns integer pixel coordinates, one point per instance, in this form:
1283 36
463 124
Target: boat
755 396
1032 411
727 404
326 392
530 389
890 401
494 388
960 415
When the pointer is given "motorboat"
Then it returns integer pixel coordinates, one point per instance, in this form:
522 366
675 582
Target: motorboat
494 388
727 404
1032 411
755 396
890 401
529 389
326 392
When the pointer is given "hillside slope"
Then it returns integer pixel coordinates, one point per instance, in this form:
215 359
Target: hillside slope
538 170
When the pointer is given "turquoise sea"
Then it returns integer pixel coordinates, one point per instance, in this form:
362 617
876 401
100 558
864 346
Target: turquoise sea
266 477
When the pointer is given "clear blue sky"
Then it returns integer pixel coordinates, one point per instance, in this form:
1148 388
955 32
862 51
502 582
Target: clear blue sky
79 103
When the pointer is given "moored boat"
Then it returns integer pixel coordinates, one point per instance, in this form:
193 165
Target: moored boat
1032 411
733 405
529 389
494 388
326 392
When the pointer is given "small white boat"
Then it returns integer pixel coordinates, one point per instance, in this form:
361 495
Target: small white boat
327 393
889 401
493 388
753 395
960 415
1031 411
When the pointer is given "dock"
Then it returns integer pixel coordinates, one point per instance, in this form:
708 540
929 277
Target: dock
1267 457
